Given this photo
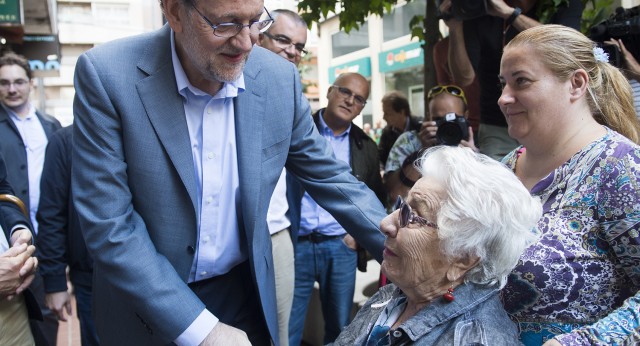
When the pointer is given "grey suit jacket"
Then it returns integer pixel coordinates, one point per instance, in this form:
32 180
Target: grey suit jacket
15 154
135 191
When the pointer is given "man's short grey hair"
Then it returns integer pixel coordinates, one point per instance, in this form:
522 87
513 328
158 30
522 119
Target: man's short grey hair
293 15
487 212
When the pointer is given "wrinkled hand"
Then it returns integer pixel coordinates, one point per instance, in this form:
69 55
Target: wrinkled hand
470 143
17 270
630 61
427 134
21 236
59 302
224 334
552 342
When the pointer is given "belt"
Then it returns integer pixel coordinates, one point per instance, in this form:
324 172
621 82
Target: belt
316 237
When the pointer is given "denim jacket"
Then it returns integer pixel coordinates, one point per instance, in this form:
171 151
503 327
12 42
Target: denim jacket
475 317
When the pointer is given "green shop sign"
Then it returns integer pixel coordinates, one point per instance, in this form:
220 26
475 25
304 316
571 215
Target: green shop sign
361 66
400 58
10 12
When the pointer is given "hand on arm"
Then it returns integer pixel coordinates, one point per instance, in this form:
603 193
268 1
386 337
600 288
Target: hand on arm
21 236
427 134
470 143
17 269
224 334
59 302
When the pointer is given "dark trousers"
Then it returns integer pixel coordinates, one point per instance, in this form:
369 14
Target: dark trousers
233 299
88 334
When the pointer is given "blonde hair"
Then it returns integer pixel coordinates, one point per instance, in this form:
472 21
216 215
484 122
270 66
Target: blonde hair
564 50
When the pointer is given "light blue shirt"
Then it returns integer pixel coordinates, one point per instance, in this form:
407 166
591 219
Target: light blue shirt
35 144
313 218
215 165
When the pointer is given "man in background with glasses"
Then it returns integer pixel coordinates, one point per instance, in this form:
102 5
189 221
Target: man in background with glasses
321 254
180 136
24 134
286 37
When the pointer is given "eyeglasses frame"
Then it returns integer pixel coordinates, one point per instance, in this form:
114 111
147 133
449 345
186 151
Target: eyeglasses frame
298 46
237 25
445 88
18 83
348 93
406 215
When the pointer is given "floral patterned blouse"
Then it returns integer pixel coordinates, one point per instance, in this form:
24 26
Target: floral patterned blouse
588 259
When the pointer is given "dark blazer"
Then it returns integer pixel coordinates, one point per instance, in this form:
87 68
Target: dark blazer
60 238
135 188
11 216
365 166
16 156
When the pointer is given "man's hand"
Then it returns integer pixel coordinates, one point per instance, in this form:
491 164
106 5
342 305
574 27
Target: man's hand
21 236
470 143
350 242
17 269
630 62
224 334
427 134
58 302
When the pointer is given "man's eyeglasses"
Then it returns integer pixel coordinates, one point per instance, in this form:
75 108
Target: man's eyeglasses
18 83
284 42
407 216
449 89
232 29
346 93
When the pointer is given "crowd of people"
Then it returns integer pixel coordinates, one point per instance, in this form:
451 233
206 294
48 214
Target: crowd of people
206 199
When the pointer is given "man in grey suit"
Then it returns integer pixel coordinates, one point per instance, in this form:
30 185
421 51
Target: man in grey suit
180 137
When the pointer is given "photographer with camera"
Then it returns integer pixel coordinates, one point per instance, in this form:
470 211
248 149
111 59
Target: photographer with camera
478 30
447 126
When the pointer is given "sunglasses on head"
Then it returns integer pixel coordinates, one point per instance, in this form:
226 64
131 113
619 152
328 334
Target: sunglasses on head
449 89
407 216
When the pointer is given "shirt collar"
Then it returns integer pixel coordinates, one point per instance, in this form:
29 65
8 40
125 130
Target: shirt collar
229 89
324 128
14 116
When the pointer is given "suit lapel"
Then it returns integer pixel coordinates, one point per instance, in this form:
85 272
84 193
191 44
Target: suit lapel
165 110
250 107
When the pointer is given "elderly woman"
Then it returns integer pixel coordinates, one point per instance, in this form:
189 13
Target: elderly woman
573 113
449 249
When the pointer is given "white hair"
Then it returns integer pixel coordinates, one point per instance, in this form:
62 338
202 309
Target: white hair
487 212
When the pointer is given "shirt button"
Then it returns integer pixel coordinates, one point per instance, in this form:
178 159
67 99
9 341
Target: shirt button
209 200
397 333
205 239
203 273
209 110
211 156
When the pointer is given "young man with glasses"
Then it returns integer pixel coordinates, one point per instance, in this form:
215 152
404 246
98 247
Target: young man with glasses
180 136
286 37
321 254
24 134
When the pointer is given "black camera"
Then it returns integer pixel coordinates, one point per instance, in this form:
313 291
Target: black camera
622 24
452 129
463 9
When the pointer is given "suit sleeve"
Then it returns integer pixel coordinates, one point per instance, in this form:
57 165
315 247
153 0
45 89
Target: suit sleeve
53 212
12 216
116 235
330 182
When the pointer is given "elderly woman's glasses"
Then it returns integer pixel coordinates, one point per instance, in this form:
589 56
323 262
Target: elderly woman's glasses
284 42
407 216
449 89
346 93
232 29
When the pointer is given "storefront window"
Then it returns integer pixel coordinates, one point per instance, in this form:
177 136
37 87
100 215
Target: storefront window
343 43
396 23
411 83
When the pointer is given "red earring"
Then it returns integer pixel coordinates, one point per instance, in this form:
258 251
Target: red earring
448 297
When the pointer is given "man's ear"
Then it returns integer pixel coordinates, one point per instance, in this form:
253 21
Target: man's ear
579 84
176 13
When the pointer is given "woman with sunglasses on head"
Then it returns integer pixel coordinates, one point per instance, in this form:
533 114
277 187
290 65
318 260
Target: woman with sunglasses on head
573 113
448 251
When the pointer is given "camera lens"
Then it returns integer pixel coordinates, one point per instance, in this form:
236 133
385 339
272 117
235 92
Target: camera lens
449 133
